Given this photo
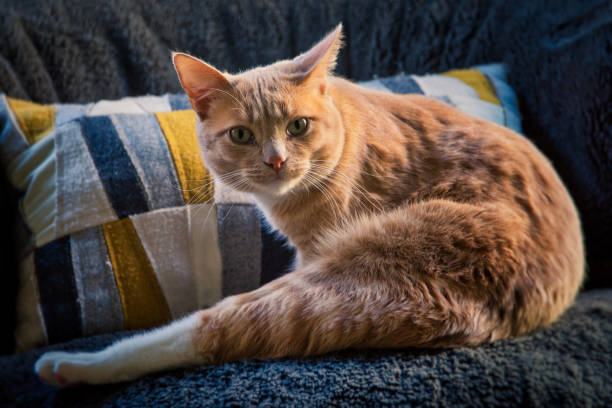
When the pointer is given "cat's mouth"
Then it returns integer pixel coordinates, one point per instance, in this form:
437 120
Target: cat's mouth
282 184
279 183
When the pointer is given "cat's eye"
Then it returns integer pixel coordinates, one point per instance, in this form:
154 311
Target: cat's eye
297 127
241 135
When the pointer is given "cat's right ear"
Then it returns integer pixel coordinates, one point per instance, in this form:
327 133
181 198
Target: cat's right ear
200 81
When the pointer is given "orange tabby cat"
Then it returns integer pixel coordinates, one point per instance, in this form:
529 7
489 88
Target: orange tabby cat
416 225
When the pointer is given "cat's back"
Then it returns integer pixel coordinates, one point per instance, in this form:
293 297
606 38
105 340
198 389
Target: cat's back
482 160
446 154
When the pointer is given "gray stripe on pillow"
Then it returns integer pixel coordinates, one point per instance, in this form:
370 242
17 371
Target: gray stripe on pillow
82 201
240 244
435 85
147 147
33 171
179 101
402 84
101 310
65 112
496 75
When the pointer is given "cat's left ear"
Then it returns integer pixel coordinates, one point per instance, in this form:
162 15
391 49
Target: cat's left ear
320 60
200 81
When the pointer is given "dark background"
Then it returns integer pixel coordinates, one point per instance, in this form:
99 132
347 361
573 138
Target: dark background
559 54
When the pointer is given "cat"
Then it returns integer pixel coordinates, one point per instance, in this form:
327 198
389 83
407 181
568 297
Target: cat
415 224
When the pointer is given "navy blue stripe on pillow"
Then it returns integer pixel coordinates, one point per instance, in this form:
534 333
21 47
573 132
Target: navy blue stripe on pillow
276 254
58 292
115 167
402 84
179 102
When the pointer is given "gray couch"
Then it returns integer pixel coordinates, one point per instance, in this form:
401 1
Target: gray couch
559 55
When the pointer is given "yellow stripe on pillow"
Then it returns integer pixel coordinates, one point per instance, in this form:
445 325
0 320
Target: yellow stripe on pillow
36 120
179 130
477 81
142 299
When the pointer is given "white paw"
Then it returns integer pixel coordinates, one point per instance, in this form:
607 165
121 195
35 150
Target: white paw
63 369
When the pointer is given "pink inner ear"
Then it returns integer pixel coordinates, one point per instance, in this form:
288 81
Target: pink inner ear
201 103
322 56
200 81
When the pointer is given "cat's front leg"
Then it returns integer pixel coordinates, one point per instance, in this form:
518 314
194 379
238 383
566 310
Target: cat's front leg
167 347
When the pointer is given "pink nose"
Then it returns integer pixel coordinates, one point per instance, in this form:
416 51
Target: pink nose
275 162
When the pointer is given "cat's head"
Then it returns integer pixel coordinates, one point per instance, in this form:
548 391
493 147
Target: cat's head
272 129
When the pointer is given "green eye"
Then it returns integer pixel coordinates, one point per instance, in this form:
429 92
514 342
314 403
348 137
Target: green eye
297 127
241 135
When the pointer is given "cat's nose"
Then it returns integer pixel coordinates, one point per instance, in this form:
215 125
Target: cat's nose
276 162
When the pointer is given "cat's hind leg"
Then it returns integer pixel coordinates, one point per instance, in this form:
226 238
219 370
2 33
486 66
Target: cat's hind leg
429 274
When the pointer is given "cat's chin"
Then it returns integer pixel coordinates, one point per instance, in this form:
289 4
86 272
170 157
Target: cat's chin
277 188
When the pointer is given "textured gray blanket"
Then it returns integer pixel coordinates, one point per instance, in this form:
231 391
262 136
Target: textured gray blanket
560 59
568 364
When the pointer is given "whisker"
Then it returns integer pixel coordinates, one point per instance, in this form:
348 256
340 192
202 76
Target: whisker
346 181
320 186
359 170
244 110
